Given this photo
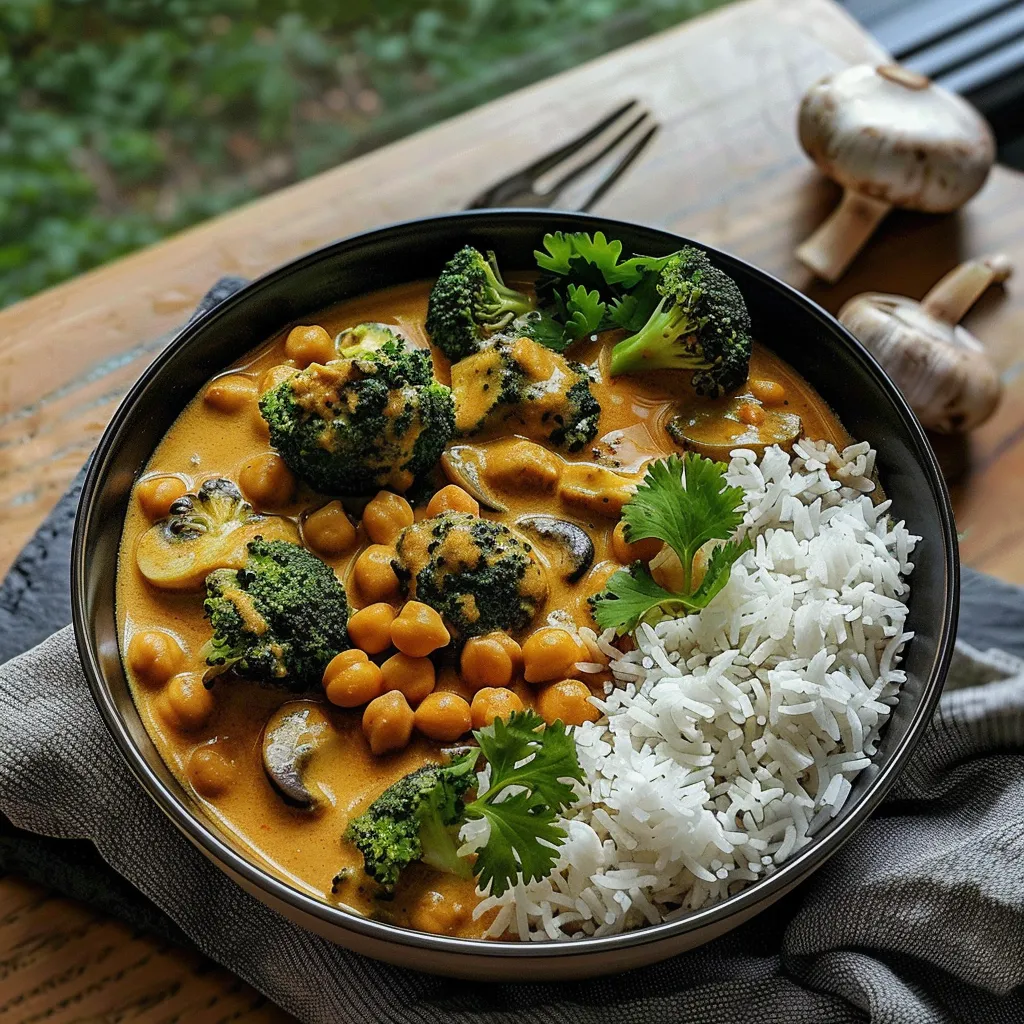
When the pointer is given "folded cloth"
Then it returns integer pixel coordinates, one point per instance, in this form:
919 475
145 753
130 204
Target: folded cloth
919 918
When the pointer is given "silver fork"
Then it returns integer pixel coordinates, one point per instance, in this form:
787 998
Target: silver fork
630 125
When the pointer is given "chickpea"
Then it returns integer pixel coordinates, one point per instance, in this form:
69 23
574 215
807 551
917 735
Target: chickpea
627 552
157 494
329 531
550 653
387 722
415 677
230 393
493 702
418 630
211 773
769 392
374 574
453 498
751 414
567 701
351 680
485 662
276 375
154 656
309 344
439 914
188 704
385 516
667 570
266 481
512 649
370 627
444 716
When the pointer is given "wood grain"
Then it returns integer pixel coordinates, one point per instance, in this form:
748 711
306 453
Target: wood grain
62 964
725 168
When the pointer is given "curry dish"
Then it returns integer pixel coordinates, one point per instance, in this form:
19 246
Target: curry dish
289 742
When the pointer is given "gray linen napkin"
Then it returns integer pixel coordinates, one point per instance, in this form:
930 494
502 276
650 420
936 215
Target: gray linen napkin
920 918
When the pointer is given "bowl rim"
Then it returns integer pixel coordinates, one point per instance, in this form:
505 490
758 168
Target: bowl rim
743 903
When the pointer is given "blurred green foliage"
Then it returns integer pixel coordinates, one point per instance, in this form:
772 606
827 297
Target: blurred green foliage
122 121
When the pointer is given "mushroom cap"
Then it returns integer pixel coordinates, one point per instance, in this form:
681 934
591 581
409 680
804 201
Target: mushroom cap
892 134
941 368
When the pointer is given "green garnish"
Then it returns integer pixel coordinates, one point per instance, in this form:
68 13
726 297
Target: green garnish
524 837
583 284
685 503
418 817
579 256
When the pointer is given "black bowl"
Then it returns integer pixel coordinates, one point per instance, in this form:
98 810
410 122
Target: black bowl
801 332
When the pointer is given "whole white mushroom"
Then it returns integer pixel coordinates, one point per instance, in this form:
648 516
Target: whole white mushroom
890 137
940 367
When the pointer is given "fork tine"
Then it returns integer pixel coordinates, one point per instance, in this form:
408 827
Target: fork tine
617 171
575 172
520 184
554 158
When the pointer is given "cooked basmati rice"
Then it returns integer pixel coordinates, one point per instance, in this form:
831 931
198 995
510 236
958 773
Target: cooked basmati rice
731 735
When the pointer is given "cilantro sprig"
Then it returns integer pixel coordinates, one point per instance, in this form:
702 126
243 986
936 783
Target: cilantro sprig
530 764
685 503
586 287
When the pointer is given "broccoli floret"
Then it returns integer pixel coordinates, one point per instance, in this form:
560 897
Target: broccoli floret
415 819
470 302
520 385
478 574
375 419
701 323
279 619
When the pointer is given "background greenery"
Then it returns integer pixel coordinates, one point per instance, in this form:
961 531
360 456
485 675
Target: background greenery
122 121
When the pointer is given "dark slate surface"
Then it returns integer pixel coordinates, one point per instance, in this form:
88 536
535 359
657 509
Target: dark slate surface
35 602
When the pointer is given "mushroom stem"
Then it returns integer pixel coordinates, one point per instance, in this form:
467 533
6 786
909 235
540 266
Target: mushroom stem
950 299
830 249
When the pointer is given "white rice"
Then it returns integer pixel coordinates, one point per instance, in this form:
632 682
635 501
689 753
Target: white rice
730 736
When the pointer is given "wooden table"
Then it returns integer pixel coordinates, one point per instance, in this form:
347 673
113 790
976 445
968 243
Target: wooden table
726 168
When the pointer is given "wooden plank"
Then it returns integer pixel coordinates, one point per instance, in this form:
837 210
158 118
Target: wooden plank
62 964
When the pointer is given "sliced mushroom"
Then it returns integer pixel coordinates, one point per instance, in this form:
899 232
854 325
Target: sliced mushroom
364 338
573 543
293 734
889 137
715 432
597 490
464 465
940 367
205 531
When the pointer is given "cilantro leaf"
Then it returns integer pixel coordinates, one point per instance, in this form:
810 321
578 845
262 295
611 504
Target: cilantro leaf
718 571
568 254
542 328
628 598
559 252
634 309
524 839
586 311
686 503
587 286
533 761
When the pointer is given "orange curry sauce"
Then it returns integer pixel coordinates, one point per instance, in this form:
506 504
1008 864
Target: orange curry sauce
305 848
